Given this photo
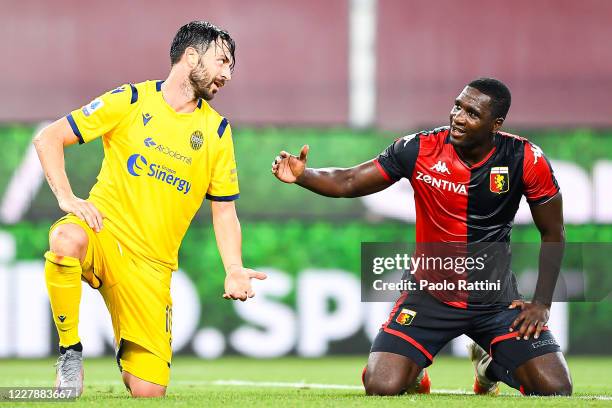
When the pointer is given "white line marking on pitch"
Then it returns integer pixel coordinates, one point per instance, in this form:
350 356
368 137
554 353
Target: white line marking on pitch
273 384
278 384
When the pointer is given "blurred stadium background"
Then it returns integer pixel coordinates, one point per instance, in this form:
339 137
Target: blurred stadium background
346 77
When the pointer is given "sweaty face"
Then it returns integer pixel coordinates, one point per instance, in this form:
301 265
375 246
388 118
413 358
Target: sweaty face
212 71
202 83
471 120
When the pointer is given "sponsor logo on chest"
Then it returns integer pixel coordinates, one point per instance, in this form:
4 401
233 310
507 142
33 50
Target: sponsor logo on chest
441 184
138 165
173 153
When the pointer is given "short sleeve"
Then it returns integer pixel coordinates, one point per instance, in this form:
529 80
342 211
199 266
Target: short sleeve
224 180
103 113
538 176
398 160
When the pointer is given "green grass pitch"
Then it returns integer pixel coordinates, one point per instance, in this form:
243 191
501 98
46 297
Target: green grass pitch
326 382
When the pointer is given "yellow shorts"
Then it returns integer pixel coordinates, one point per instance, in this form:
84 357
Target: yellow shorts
137 295
143 364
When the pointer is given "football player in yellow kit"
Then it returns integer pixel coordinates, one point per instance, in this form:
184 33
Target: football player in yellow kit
165 150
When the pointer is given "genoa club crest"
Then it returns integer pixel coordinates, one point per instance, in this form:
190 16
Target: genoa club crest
405 317
499 180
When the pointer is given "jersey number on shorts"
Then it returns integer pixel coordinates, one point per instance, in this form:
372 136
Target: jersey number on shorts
169 322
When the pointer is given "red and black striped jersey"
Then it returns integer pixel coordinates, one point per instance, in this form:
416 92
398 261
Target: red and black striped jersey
458 203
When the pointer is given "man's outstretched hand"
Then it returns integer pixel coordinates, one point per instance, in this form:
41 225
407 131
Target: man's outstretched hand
531 320
287 167
238 283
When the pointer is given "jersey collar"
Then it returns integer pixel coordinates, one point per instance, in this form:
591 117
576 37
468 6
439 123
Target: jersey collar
158 85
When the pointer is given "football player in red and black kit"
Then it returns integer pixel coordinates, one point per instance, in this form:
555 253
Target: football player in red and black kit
468 179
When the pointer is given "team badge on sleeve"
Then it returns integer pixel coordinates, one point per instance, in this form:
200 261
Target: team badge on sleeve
92 107
499 180
405 317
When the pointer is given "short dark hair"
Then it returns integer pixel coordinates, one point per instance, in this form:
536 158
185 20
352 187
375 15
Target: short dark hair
497 91
199 34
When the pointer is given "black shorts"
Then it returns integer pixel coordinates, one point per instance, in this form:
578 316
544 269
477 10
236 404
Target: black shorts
420 325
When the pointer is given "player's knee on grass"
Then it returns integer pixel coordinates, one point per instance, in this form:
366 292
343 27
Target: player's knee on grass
139 388
144 373
545 375
389 374
69 240
549 386
385 386
561 386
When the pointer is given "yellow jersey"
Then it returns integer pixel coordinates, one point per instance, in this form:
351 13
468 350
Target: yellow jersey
158 166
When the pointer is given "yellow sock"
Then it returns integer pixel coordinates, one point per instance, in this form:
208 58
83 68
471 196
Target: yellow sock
63 277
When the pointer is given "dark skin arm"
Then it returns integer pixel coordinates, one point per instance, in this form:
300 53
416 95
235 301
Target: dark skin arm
356 181
548 218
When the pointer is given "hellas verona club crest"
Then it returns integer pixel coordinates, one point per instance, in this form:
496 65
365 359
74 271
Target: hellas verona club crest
405 317
197 139
499 180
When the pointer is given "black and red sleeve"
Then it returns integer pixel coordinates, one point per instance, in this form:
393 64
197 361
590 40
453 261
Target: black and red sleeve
538 176
398 160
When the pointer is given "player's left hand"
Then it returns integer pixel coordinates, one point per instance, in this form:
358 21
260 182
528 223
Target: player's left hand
531 320
238 283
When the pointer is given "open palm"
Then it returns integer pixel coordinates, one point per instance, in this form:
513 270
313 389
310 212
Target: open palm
287 167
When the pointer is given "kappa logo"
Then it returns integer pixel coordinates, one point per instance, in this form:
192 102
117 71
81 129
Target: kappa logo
440 167
405 317
542 343
408 138
537 153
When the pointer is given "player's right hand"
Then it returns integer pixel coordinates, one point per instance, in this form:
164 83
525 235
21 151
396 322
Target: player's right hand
287 167
83 209
238 283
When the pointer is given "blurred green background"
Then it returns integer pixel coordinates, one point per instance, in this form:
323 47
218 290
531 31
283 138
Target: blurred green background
292 229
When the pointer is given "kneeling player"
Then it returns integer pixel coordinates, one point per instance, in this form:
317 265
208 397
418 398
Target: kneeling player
468 179
146 199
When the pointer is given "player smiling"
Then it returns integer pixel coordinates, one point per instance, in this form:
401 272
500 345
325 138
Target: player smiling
468 179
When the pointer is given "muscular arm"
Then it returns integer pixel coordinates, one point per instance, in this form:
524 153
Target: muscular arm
355 181
49 144
548 218
229 243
